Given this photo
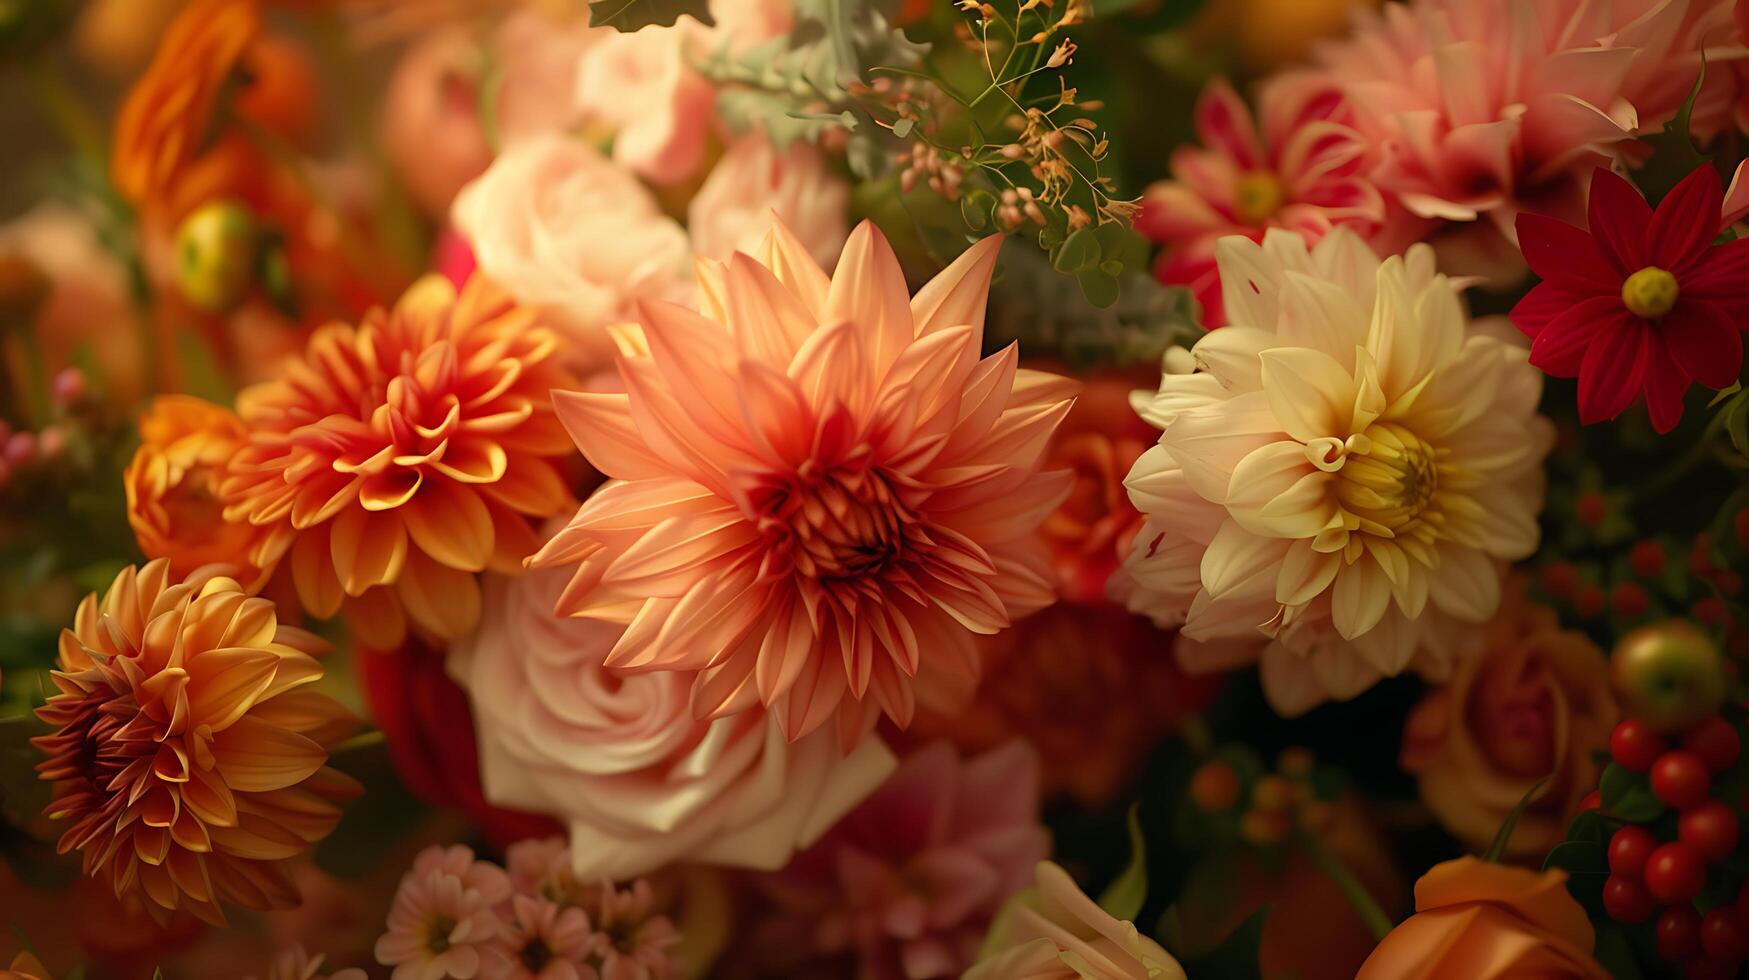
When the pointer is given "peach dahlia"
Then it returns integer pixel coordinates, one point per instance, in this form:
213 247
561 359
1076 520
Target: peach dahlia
819 491
399 457
188 752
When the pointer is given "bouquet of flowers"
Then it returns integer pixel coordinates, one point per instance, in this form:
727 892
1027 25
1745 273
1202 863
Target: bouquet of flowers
881 489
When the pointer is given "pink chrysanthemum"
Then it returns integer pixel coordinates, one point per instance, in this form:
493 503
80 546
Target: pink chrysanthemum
908 884
818 489
1300 165
443 922
1483 108
632 941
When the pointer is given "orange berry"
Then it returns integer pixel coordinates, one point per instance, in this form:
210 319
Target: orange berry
1271 793
1214 787
1261 827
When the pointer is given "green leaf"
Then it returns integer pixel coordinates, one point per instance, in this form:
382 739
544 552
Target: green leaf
1079 252
1628 795
1616 955
1578 857
1123 898
1100 287
1674 155
975 209
631 15
1504 835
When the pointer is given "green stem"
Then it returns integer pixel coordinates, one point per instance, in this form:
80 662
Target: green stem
65 111
1684 464
1375 918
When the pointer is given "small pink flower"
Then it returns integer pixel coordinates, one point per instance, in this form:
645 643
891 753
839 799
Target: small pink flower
1301 167
908 883
544 940
632 941
443 921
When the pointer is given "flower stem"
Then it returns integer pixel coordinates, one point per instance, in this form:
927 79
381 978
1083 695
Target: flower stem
1375 918
1684 464
64 109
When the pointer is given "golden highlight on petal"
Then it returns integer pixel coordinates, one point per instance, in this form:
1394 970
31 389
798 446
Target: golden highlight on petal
399 457
187 755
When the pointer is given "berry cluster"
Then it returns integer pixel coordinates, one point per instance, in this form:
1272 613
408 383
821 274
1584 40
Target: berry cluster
1655 877
1276 802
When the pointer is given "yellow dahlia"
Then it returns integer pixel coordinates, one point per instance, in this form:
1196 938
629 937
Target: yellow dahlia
1341 473
172 487
188 753
399 457
819 491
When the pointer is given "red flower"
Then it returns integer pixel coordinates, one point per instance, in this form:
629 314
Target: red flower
430 732
1643 302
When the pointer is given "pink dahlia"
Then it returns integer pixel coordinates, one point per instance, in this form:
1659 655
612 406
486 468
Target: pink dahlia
908 884
817 489
1480 109
1301 167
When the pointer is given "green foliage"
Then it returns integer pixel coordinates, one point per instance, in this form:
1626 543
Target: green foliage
1504 835
1051 316
1674 155
631 15
1123 898
1628 795
1234 959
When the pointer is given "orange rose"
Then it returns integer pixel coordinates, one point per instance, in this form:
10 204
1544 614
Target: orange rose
1535 702
1479 921
172 488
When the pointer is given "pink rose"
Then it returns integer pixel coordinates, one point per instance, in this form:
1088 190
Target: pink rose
561 228
732 211
643 86
621 758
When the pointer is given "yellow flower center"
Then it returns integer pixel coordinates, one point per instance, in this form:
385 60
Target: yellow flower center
1258 196
1649 293
1389 480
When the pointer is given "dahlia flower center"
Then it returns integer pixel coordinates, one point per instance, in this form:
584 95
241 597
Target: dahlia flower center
1389 479
1258 197
839 524
1649 293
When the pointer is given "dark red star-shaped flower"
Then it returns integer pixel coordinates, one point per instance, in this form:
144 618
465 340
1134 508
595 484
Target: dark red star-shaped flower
1644 302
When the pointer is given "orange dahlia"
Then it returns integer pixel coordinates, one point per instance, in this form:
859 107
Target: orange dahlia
172 487
819 490
188 752
397 458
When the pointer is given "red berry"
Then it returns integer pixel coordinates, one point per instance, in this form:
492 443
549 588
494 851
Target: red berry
1647 558
1678 933
1707 968
1588 601
1629 849
1710 610
1700 557
1629 600
1592 508
1710 828
1716 742
1680 779
1627 900
1591 801
1675 873
1722 935
1559 579
1635 745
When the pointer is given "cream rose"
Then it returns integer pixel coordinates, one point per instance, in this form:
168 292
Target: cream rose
732 210
622 760
560 227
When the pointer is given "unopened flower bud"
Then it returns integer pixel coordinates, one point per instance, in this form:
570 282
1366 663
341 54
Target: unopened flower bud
216 250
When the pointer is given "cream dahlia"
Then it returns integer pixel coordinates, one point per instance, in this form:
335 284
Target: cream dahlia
1055 932
398 458
1342 475
621 760
818 488
188 752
